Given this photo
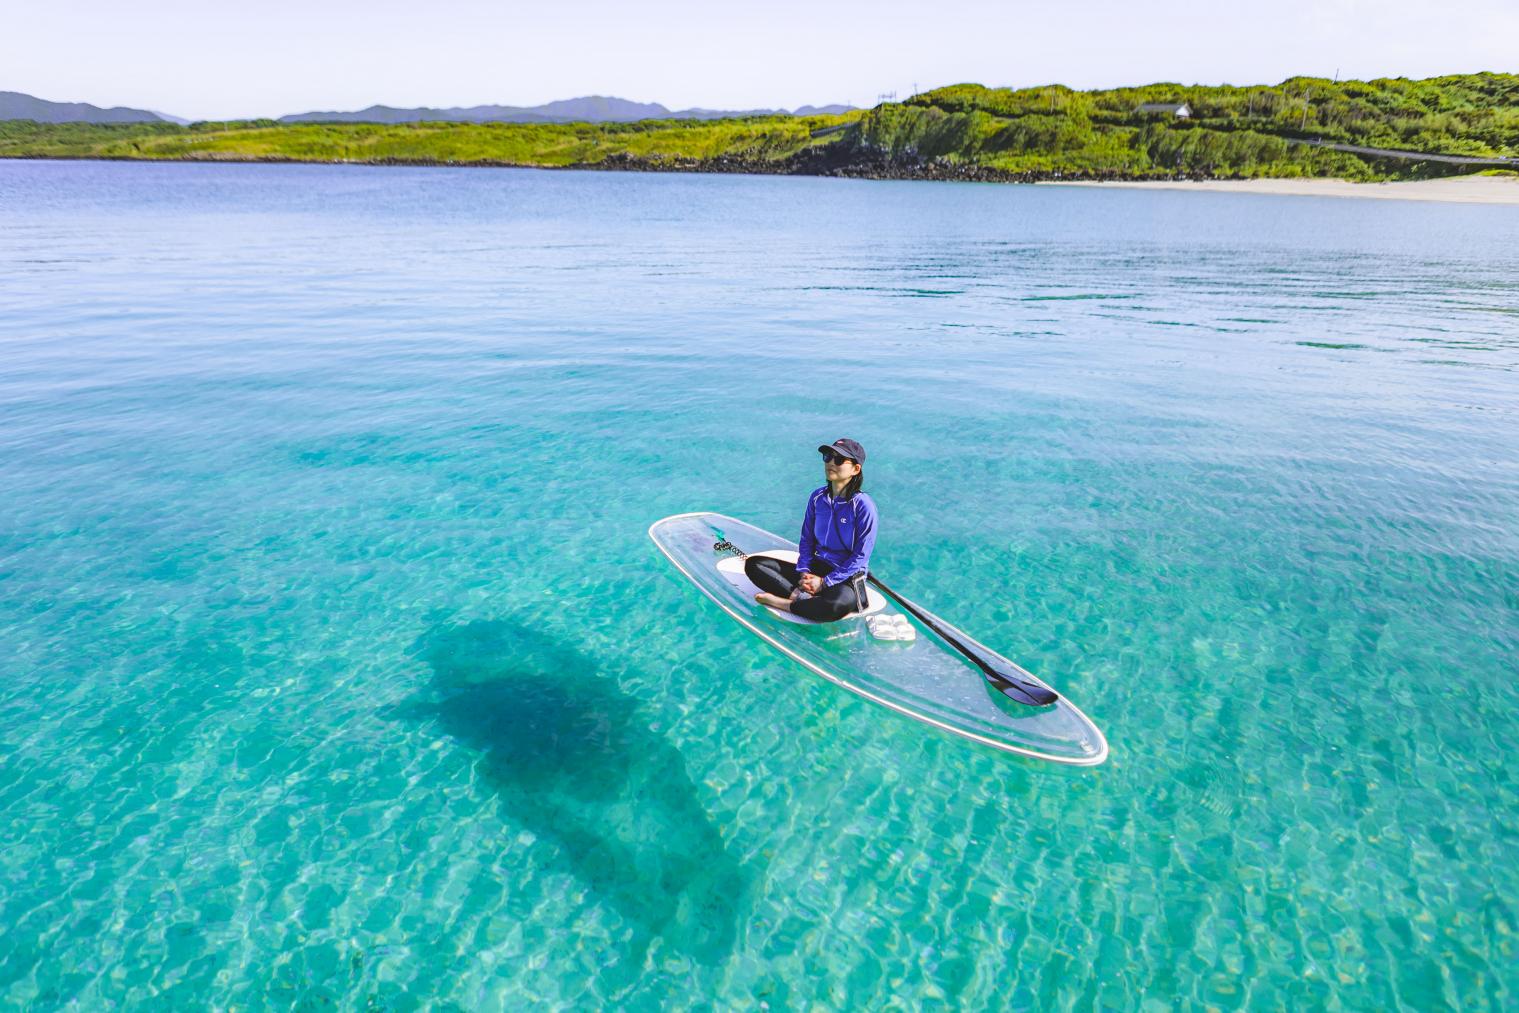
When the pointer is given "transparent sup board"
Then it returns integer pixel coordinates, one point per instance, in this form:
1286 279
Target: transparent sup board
869 652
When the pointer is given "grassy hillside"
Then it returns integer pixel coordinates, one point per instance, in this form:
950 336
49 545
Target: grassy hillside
1244 131
963 131
547 144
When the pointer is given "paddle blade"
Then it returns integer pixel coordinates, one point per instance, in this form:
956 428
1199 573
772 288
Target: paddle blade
1026 692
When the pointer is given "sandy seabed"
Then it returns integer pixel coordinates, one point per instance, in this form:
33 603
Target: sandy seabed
1458 190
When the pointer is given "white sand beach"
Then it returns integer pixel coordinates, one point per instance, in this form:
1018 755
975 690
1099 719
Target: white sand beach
1456 190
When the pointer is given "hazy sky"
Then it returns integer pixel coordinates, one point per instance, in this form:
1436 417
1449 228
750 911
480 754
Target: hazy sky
219 59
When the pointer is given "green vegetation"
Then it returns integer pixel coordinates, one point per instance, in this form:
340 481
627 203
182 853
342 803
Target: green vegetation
547 144
1232 131
967 129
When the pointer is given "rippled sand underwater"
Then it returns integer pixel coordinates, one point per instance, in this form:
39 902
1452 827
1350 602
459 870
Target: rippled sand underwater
338 669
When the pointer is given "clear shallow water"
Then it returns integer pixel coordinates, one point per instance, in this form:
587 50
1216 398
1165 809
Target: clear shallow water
336 667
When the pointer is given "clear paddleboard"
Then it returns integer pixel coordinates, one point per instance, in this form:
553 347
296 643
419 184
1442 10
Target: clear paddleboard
880 653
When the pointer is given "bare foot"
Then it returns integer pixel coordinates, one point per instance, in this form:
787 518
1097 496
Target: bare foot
775 601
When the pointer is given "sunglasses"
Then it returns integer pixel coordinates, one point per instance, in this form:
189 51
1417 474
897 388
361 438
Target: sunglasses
832 458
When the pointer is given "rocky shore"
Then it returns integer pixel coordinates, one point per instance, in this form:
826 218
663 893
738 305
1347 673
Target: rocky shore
819 162
855 163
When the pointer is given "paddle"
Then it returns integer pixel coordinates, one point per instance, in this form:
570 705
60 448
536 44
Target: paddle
1009 684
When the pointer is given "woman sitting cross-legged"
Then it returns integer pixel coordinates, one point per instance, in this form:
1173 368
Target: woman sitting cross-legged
827 581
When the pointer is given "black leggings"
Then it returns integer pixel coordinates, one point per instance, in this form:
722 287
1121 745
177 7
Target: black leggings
780 578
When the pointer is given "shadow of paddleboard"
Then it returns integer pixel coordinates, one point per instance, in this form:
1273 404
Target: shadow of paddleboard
573 761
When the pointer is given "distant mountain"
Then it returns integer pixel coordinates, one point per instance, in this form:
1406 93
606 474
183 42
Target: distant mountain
390 114
720 114
589 109
599 109
16 106
832 110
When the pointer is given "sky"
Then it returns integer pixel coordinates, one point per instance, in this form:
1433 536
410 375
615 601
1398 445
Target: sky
214 59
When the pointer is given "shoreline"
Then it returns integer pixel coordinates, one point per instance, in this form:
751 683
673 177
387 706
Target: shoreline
1449 190
1492 190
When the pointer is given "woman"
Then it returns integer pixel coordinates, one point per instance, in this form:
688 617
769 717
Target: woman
827 581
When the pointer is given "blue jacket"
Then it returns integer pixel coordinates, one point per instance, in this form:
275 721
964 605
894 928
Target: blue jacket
840 531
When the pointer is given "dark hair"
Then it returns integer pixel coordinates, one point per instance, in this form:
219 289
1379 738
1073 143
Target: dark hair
855 483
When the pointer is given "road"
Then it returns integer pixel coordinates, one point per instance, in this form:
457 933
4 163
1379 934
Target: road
1421 156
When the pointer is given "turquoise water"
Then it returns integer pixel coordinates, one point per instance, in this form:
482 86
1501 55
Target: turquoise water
336 667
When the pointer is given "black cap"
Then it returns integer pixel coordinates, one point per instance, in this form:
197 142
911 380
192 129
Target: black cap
849 448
